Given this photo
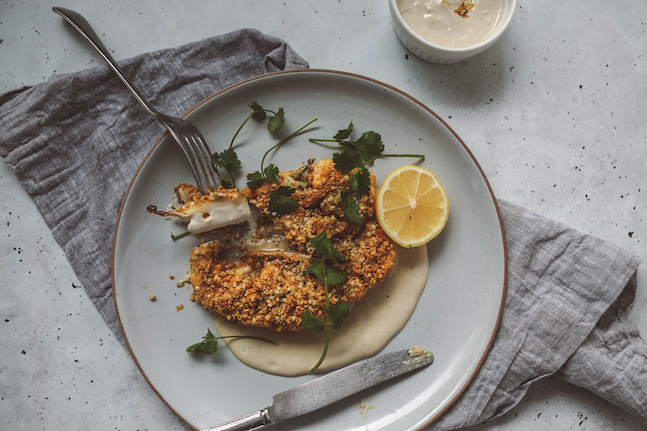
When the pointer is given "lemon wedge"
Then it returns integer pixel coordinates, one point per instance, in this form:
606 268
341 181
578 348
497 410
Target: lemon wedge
412 206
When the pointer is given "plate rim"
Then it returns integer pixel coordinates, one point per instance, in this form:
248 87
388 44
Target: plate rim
325 72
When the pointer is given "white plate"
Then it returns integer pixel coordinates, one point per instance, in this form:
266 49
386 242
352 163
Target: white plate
456 317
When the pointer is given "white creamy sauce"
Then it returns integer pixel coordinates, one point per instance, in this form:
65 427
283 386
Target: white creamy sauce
376 319
218 213
438 22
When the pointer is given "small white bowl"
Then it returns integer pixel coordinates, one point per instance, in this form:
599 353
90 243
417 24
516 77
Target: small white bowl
441 54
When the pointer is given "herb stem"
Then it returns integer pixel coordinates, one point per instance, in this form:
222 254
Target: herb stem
180 235
323 142
325 349
231 144
318 140
284 140
253 337
420 156
327 323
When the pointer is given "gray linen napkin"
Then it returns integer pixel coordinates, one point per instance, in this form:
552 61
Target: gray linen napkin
74 145
563 314
75 141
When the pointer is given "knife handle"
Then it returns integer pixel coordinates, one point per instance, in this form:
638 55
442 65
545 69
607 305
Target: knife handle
247 422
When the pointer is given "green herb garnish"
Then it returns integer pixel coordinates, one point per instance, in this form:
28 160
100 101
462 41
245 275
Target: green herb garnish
280 200
271 173
228 159
352 159
257 179
180 235
209 343
323 270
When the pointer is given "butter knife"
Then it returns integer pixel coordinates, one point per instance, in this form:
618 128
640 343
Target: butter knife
331 388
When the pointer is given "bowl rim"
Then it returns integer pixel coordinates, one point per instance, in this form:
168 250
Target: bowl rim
508 5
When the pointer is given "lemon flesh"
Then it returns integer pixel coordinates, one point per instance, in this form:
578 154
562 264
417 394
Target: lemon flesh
412 206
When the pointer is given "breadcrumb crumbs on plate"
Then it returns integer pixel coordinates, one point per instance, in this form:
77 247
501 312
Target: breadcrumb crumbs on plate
153 298
364 408
179 307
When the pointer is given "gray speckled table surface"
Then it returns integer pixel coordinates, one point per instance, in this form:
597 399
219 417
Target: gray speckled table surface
554 112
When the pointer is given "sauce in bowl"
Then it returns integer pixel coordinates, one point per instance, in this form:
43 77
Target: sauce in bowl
451 23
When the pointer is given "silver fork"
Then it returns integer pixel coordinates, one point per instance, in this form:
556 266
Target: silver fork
187 136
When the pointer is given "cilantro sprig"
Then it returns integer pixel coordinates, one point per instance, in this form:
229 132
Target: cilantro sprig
228 159
322 269
270 173
352 159
281 201
209 343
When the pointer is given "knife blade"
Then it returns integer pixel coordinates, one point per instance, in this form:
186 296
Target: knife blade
330 388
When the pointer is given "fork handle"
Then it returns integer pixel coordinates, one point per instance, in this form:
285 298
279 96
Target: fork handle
81 25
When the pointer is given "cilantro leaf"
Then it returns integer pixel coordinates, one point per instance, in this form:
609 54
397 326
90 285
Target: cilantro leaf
337 313
284 191
360 181
334 276
208 345
259 113
352 212
277 121
312 324
331 276
326 273
324 246
271 173
346 160
356 154
281 202
216 160
344 133
353 157
227 184
316 268
227 159
255 180
369 145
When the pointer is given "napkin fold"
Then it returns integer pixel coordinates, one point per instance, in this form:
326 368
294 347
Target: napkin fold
75 141
563 314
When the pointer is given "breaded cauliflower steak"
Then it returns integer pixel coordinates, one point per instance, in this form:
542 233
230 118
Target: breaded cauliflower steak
268 289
